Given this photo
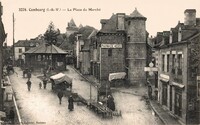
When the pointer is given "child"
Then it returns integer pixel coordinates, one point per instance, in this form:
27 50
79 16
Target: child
40 85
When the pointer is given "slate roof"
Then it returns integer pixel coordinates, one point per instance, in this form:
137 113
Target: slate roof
110 26
135 13
45 49
28 43
94 32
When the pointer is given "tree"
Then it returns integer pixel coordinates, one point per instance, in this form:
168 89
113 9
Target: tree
51 34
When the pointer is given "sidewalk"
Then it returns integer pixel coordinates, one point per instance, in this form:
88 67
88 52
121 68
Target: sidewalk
163 115
10 101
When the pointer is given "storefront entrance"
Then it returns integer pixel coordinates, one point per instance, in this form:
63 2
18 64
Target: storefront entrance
164 94
178 102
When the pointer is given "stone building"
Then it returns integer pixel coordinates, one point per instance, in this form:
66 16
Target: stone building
71 28
178 52
121 47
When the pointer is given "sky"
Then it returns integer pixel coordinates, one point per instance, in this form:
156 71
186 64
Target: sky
161 14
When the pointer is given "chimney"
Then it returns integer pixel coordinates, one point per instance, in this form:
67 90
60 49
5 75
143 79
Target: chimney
103 22
190 17
120 21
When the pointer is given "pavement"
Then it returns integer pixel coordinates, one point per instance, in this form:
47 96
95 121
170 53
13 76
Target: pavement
41 106
163 115
9 101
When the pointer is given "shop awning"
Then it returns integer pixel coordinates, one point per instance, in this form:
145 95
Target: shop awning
2 114
164 79
60 77
178 85
118 75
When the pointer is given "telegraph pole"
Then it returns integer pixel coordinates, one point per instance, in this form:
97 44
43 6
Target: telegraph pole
13 39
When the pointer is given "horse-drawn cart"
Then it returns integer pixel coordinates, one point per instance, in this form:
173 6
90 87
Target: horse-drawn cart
61 81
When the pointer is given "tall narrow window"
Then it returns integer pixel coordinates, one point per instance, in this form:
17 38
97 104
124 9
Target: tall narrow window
180 61
173 63
163 62
128 38
168 63
109 52
20 56
20 50
198 84
39 57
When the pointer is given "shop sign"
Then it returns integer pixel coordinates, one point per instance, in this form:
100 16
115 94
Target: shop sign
106 46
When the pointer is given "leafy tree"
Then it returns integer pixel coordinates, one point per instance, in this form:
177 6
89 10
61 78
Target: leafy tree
51 34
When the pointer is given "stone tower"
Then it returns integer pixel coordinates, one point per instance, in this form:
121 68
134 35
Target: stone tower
136 52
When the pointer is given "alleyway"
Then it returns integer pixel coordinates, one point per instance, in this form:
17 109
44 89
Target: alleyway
41 105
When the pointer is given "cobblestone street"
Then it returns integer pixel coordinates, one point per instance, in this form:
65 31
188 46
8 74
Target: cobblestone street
40 106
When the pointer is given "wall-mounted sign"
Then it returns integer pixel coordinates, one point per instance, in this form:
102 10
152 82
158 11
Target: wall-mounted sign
105 46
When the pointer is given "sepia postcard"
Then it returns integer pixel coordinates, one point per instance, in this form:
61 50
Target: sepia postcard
101 62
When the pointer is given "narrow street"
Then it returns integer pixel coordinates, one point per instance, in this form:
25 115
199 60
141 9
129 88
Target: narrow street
40 106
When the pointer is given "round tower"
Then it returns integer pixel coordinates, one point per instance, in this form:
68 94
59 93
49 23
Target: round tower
136 52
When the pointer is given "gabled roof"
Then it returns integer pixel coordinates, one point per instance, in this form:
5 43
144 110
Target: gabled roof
45 49
28 43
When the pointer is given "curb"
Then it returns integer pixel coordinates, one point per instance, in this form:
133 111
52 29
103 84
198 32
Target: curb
15 103
152 107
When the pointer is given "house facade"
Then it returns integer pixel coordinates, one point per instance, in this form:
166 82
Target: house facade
21 46
121 47
178 56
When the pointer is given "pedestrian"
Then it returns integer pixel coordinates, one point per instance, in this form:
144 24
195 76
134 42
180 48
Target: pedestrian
111 103
29 84
45 82
40 85
12 115
60 95
71 103
29 75
150 91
